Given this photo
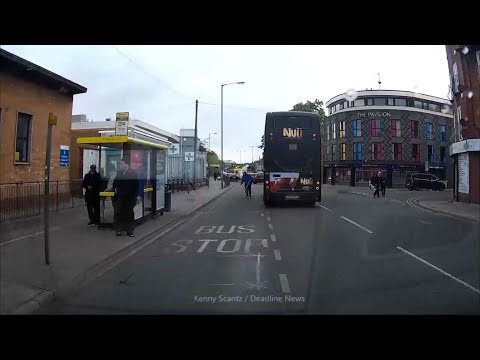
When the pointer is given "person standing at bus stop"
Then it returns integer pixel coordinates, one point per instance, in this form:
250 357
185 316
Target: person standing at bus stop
248 180
125 186
92 183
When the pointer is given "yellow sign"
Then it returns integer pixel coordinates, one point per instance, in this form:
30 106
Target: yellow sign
52 119
122 116
306 181
292 133
17 156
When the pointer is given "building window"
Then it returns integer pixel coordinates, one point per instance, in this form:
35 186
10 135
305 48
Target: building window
344 151
413 129
442 132
443 153
334 131
459 126
416 152
396 128
400 102
478 62
417 104
397 152
328 131
325 153
456 81
357 151
430 153
369 102
359 102
390 101
429 131
410 102
22 143
357 128
333 152
379 101
376 151
342 105
433 107
330 110
341 130
375 127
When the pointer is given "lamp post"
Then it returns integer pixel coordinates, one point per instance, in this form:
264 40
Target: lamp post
221 126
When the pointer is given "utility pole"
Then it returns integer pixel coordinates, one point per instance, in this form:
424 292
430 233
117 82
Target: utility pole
52 121
252 152
195 149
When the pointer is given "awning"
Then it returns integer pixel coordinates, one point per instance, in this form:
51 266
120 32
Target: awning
109 140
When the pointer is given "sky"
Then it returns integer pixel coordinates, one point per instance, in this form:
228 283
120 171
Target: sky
159 84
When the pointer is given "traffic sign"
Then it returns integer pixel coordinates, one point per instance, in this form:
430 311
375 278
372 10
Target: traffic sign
121 124
174 150
189 155
64 155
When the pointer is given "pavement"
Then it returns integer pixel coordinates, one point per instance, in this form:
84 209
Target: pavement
78 253
351 254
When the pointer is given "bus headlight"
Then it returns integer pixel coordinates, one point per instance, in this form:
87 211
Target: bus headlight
317 188
267 187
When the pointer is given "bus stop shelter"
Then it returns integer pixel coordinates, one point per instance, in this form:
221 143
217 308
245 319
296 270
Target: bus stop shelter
146 155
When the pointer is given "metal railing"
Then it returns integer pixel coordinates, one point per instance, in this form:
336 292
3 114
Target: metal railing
25 199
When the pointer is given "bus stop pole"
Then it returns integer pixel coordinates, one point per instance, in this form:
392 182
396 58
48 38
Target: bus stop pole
52 120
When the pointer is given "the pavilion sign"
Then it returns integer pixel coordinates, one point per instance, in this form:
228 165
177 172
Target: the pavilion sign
374 114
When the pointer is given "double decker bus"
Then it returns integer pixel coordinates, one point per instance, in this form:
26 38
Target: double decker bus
292 158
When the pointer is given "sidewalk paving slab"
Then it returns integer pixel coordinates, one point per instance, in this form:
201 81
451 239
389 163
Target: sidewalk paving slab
26 282
454 208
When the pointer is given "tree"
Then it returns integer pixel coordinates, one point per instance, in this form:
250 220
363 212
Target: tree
315 106
212 158
262 145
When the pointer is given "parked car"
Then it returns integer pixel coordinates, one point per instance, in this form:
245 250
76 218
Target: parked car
417 181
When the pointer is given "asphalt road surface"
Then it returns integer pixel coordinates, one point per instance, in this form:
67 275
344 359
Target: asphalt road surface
351 254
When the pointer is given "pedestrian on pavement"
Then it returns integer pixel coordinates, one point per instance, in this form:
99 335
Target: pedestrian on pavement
383 184
375 181
248 180
92 183
125 187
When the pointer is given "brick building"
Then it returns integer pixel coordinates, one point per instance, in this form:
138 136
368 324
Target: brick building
28 93
464 67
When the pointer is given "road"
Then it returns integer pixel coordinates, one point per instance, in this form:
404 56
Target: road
352 254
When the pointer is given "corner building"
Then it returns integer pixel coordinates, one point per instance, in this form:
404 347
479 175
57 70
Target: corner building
396 132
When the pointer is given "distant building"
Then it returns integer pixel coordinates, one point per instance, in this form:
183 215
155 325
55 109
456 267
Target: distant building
28 93
464 67
392 131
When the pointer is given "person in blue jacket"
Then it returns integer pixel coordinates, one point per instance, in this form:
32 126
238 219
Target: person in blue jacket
248 180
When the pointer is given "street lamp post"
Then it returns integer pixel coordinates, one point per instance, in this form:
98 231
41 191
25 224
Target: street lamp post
221 126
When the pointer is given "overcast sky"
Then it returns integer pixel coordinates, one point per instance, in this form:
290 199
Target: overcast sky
159 84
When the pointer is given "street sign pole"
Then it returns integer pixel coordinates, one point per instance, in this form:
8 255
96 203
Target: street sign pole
195 149
52 121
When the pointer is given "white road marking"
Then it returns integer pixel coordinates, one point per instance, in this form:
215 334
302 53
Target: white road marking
249 255
440 270
273 237
284 283
276 252
270 226
259 284
425 222
354 223
26 236
397 201
204 245
324 207
220 247
182 247
269 218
